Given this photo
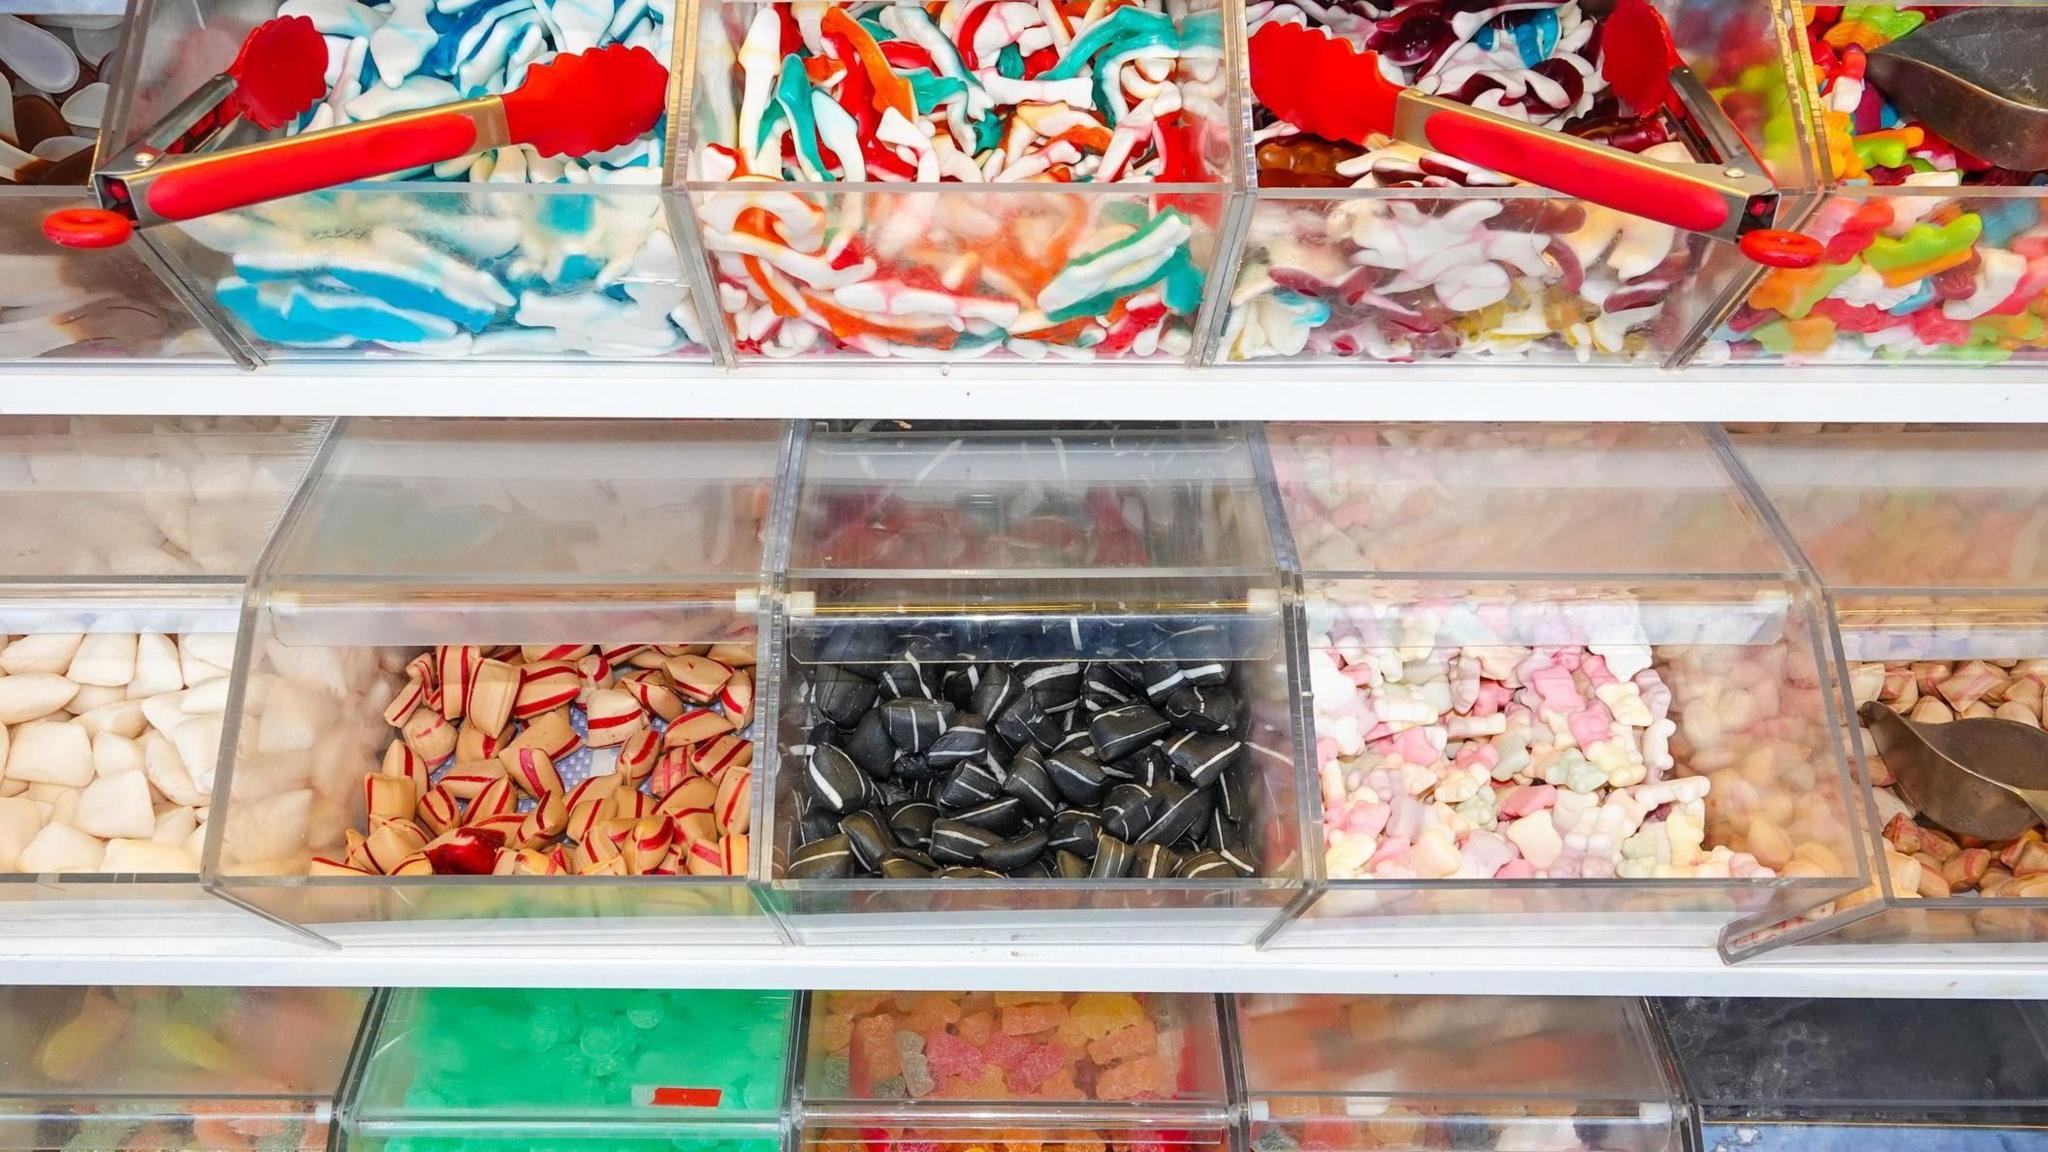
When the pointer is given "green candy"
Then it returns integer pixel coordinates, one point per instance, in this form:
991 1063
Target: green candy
1924 243
1890 21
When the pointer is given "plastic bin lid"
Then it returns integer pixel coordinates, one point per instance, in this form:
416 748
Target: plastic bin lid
169 1067
511 1060
976 1060
1864 1062
1443 1069
93 499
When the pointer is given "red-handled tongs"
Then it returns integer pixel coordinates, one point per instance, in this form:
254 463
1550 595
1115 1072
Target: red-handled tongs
573 105
1323 85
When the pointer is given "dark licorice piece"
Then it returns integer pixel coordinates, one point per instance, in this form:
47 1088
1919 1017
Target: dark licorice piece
869 835
960 873
967 739
958 685
1068 866
1201 758
1118 732
921 859
1161 679
1076 736
914 722
1205 866
958 842
834 780
1205 674
1131 672
1056 687
1155 861
1029 783
1230 795
1184 810
827 859
1016 851
903 868
911 822
1076 831
816 823
865 644
1233 852
1024 722
1039 869
871 747
1128 810
912 767
1004 814
1078 777
1195 708
1147 766
997 690
1113 859
970 784
824 732
1102 688
841 694
915 671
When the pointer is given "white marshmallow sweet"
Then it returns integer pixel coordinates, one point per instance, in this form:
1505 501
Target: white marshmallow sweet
61 848
117 806
104 658
148 857
41 652
50 752
33 695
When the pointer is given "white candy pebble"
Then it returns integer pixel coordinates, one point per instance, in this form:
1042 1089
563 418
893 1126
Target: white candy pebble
115 806
215 648
44 652
50 752
167 773
174 826
156 667
198 743
61 848
104 658
147 857
32 696
165 712
113 755
20 820
124 718
208 699
91 696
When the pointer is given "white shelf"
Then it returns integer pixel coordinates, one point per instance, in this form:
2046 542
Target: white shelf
1045 391
1994 972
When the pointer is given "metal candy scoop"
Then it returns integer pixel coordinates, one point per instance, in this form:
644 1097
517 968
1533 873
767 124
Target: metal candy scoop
1984 777
1979 78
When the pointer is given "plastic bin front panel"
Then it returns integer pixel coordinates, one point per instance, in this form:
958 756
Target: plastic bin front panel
1836 1075
164 1069
502 257
703 1070
1931 256
1523 644
63 62
1384 255
981 245
542 570
1006 556
1444 1072
125 551
1927 540
996 1059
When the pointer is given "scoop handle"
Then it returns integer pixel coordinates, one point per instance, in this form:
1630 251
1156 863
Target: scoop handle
188 187
1695 197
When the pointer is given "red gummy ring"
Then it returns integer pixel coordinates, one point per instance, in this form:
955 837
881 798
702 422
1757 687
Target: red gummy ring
87 228
1775 248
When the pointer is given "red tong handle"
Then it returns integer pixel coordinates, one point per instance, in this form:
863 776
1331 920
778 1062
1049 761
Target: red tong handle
1588 171
311 162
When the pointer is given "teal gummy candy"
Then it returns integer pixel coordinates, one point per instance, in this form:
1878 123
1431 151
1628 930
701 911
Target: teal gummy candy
513 1052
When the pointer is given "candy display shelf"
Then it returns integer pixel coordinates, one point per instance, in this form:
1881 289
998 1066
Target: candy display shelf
812 390
139 957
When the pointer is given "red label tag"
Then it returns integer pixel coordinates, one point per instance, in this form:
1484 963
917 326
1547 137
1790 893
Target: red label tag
679 1097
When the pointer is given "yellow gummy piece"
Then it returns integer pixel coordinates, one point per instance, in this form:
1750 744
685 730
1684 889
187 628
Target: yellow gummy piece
196 1046
1097 1014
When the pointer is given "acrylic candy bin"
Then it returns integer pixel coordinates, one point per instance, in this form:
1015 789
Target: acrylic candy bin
1930 257
854 265
127 548
163 1069
1335 268
1013 552
1926 541
436 562
1573 627
74 303
504 269
1454 1072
